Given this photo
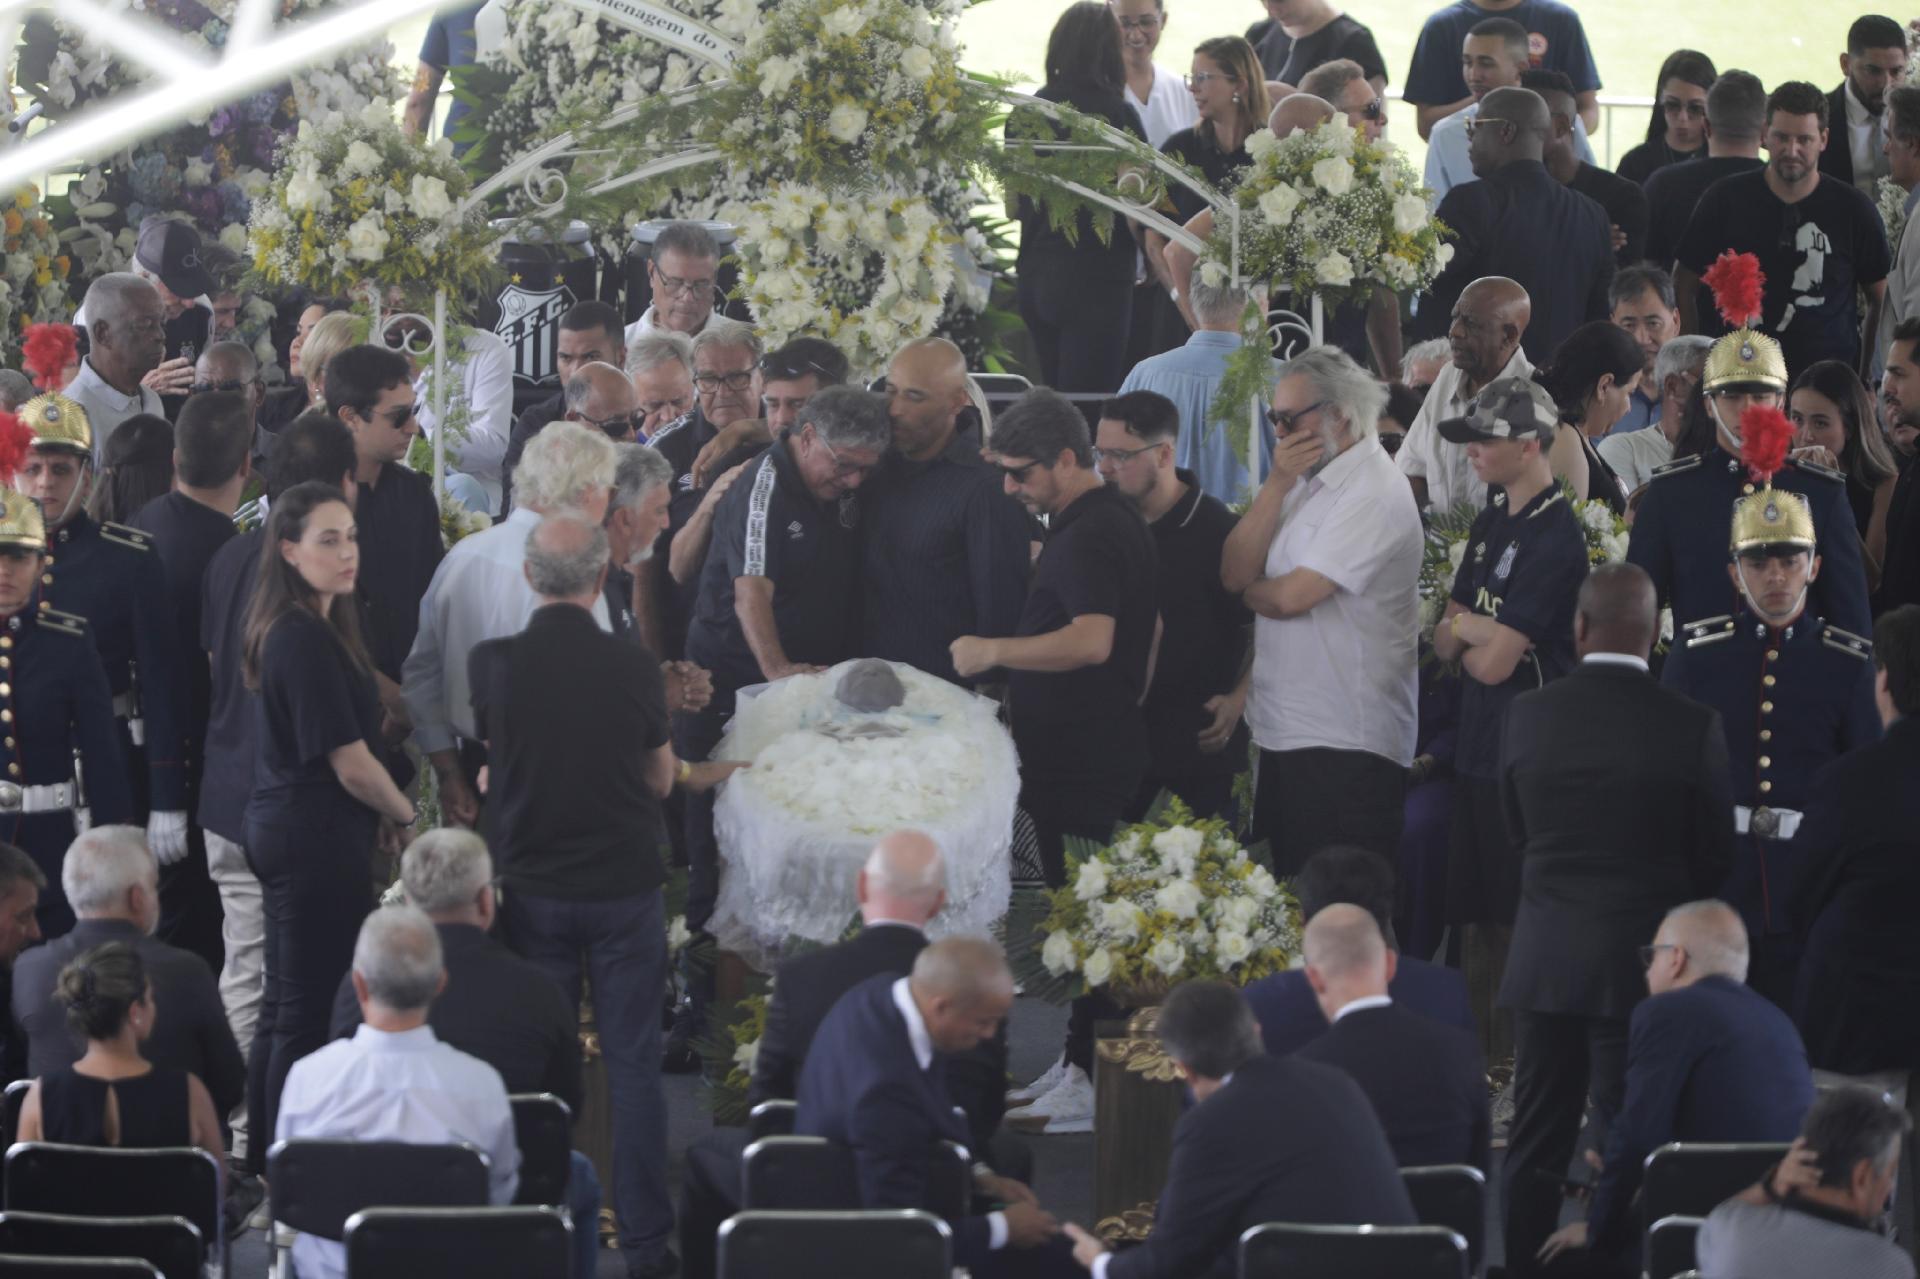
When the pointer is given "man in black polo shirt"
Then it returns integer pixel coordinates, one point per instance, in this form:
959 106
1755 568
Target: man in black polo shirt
1509 624
575 721
944 552
1196 741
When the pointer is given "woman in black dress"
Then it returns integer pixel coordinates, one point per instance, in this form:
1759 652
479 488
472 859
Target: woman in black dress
1678 129
1076 292
319 794
1591 380
1834 426
113 1096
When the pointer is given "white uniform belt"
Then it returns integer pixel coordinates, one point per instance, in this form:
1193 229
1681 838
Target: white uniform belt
1769 823
56 797
125 707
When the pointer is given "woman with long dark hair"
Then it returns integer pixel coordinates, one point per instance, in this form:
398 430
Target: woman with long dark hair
319 794
1834 426
1591 380
136 466
1076 292
1677 129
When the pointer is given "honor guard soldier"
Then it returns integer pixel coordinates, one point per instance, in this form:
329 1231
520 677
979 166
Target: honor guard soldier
57 733
1794 691
109 575
1680 531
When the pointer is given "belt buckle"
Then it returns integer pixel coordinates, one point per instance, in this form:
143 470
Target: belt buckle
11 797
1765 823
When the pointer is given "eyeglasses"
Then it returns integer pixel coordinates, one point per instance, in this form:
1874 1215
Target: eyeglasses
1681 106
231 384
1648 952
682 288
1481 121
1374 110
616 426
1120 457
394 417
738 381
1195 79
841 470
1018 474
1145 22
1284 421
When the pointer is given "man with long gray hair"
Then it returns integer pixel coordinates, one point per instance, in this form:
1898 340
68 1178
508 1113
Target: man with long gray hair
1328 559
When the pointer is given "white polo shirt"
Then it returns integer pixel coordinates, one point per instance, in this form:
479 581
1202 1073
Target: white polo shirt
1168 109
1342 676
1444 466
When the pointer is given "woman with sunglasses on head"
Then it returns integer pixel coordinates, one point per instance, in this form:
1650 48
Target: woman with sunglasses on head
1677 130
1834 426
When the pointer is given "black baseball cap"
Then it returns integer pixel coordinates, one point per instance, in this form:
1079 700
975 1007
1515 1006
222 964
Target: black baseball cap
1508 408
171 250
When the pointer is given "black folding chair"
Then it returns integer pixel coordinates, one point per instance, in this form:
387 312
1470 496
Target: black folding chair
1283 1251
1692 1178
170 1245
543 1128
314 1186
94 1181
1454 1196
521 1242
1670 1246
798 1174
834 1245
17 1267
771 1119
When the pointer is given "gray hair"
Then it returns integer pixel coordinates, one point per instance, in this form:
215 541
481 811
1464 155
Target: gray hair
398 956
661 346
1432 349
110 295
445 869
1686 354
1348 390
688 238
1216 303
565 553
1851 1124
16 388
1715 937
563 461
246 364
848 417
103 864
722 330
639 471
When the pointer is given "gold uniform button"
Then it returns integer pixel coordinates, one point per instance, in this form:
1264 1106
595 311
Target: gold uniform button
1773 655
13 770
1748 489
1765 787
1766 708
46 579
1766 734
6 641
1765 762
1767 681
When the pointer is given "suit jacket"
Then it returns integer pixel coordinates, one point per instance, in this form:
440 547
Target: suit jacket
805 990
1859 979
1714 1061
1837 159
1282 1140
862 1087
1616 793
1290 1016
1427 1082
498 1007
190 1030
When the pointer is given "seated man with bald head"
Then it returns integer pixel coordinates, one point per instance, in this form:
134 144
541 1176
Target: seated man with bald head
1427 1080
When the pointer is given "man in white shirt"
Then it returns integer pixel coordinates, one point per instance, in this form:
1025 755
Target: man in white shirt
480 394
1634 455
683 273
126 331
1857 123
1159 95
1492 56
1328 558
480 591
1488 322
394 1080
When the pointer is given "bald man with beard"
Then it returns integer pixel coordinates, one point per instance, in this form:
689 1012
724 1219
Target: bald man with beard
945 552
1488 321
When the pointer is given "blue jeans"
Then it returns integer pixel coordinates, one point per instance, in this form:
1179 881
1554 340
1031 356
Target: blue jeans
583 1205
625 947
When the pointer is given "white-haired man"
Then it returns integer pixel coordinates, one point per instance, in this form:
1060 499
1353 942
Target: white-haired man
1636 455
480 591
1327 558
394 1080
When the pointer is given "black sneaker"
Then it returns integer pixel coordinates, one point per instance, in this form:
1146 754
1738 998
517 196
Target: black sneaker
244 1195
665 1266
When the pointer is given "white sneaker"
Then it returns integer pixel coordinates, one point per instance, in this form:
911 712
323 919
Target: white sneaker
1067 1107
1041 1086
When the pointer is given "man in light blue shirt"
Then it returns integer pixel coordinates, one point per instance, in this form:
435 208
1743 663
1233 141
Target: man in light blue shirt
1492 56
1188 375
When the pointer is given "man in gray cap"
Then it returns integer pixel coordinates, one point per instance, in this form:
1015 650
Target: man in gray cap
1510 627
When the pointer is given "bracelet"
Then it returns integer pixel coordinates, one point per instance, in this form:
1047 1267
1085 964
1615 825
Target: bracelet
1454 625
682 773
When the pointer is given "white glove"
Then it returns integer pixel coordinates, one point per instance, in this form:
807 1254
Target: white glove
167 836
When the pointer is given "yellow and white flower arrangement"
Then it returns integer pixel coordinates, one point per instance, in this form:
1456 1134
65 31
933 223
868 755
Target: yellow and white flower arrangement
1446 548
33 272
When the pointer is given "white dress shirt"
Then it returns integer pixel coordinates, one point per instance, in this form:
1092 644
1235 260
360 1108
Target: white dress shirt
1168 109
1443 465
107 408
407 1086
484 380
1634 454
1342 675
648 324
479 592
1362 1004
1903 288
922 1043
1617 659
1866 141
1449 163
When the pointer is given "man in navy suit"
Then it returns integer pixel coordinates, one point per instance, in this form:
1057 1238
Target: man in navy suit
875 1081
1427 1081
1708 1059
1269 1139
1285 1005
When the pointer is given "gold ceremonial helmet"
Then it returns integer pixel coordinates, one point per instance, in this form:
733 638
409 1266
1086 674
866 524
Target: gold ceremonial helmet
1745 358
21 523
1771 517
58 423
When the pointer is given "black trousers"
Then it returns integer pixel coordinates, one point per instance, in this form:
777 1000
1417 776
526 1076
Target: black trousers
709 1194
1559 1059
1310 799
1079 323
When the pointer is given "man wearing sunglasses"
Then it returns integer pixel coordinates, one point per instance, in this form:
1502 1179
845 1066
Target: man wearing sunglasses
1342 83
232 367
1493 56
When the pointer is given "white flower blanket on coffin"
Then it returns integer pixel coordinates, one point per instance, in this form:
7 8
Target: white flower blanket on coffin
827 781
